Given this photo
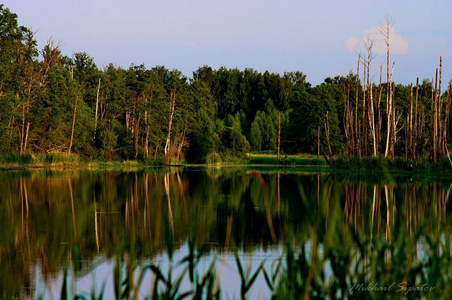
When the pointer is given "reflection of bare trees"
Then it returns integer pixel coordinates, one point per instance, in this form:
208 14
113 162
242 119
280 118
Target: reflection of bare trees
374 208
43 216
168 197
71 193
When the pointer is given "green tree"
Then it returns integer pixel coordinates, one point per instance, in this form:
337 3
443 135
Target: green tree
256 135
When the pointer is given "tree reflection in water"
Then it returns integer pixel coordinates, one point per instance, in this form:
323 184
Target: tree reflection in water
46 214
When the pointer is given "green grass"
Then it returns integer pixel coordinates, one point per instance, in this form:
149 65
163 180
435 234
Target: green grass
380 163
272 159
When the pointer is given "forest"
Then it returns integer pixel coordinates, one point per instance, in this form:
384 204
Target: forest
52 103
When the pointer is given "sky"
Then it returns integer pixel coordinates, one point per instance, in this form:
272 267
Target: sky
320 38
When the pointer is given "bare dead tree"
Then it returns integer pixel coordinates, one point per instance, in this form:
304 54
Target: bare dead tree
389 115
357 127
368 45
435 118
378 108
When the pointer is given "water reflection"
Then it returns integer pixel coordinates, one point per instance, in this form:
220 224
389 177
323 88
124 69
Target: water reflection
50 219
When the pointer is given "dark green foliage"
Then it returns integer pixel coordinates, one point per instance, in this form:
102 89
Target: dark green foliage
213 158
256 135
154 161
16 159
344 163
233 142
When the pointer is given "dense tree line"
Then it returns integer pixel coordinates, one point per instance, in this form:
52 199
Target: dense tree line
51 103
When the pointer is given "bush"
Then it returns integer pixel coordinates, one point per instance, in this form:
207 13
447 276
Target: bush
344 163
153 161
213 158
401 164
61 158
374 163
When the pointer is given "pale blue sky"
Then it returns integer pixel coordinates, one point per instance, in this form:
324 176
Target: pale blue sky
315 37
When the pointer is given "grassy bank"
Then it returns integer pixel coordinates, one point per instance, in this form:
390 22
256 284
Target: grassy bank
272 159
71 160
12 161
386 164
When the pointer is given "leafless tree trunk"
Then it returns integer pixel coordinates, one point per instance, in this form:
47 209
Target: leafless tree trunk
395 121
327 133
97 107
348 122
147 117
446 119
182 142
136 132
435 119
368 44
390 115
279 135
416 121
170 122
441 145
378 108
73 121
357 127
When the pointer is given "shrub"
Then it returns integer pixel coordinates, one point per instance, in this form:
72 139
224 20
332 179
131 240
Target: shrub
341 163
153 161
374 163
213 158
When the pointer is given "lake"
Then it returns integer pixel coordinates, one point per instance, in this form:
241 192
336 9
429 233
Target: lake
82 221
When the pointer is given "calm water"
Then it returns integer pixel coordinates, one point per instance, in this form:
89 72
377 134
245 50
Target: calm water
47 217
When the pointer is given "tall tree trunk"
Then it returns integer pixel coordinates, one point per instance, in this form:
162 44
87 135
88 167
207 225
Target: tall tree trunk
394 121
182 141
435 119
147 116
416 121
379 111
372 122
136 132
279 135
446 119
357 127
170 122
389 114
410 126
327 133
73 122
363 118
26 137
441 150
97 107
